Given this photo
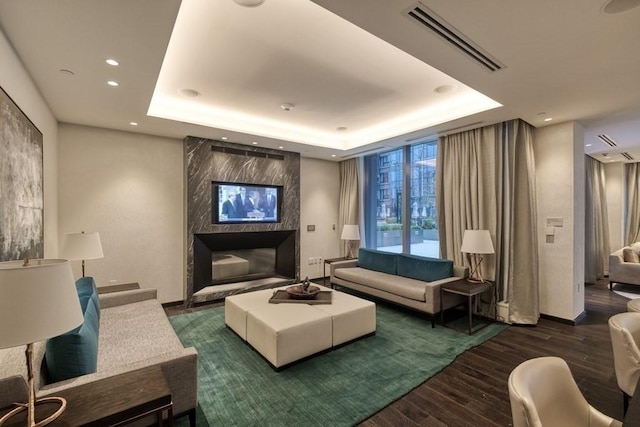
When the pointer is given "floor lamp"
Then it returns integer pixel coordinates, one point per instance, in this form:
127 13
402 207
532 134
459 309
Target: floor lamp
475 242
349 233
39 301
82 246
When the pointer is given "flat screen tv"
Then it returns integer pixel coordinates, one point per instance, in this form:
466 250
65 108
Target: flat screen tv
235 203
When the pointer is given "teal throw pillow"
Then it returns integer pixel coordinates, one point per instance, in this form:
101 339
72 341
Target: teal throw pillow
75 353
383 262
423 268
87 289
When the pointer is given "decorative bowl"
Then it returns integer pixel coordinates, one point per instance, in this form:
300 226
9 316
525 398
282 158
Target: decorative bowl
296 292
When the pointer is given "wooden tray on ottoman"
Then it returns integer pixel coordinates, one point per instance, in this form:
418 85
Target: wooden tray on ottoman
323 297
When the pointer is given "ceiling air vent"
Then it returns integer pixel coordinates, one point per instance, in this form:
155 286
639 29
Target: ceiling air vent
432 22
627 156
607 140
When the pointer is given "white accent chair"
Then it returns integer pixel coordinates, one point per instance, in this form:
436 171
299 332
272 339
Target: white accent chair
543 393
624 329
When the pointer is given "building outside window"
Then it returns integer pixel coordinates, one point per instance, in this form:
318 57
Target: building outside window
394 223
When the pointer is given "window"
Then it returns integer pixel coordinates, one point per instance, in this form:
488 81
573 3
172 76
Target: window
410 170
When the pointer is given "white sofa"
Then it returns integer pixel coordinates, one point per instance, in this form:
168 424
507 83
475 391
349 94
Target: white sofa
624 266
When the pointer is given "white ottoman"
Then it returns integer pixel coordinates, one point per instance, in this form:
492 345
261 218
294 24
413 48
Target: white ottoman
352 317
284 333
237 306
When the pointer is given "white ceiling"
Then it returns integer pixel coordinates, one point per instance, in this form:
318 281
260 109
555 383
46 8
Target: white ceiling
563 59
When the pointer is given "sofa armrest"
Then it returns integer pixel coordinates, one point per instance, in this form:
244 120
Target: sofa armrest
460 271
180 369
114 299
13 389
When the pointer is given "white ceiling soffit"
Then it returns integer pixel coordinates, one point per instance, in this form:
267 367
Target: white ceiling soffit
280 52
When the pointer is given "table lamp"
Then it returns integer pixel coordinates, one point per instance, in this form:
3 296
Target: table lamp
350 232
82 246
476 242
38 300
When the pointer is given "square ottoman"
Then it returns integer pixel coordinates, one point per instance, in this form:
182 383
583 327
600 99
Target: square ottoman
236 308
352 317
285 333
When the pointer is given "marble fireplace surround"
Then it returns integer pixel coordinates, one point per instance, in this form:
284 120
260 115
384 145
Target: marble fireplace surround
211 160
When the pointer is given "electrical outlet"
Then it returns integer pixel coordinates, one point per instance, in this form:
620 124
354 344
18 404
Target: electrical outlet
310 261
113 281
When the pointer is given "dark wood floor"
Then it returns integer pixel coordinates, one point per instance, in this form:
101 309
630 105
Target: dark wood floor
473 390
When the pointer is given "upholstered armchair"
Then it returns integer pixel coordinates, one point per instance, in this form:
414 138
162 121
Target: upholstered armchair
624 329
543 393
624 266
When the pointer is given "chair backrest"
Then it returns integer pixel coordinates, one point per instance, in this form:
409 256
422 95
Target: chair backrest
543 393
624 330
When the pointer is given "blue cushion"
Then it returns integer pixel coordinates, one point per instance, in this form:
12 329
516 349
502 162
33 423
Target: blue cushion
383 262
423 268
76 352
87 289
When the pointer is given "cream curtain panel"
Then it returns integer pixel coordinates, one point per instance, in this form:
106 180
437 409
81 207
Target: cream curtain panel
348 212
486 180
632 181
597 248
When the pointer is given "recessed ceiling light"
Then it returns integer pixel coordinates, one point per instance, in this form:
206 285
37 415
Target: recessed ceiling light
249 3
333 155
548 119
542 113
189 93
341 128
588 145
281 147
254 143
112 62
133 123
66 72
445 89
287 106
113 83
224 138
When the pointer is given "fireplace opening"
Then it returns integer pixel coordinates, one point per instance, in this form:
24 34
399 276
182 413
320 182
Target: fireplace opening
220 259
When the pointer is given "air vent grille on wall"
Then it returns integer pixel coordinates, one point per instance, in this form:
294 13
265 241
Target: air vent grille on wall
607 140
627 156
431 21
247 153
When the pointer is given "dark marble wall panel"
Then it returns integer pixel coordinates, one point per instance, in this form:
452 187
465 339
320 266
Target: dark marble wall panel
269 167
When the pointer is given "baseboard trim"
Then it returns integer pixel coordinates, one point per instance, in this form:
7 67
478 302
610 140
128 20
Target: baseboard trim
579 319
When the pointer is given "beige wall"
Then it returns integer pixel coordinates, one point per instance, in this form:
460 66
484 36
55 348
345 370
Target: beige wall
319 190
129 188
559 156
18 85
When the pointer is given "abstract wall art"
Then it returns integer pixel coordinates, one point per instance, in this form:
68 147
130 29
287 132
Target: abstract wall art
21 186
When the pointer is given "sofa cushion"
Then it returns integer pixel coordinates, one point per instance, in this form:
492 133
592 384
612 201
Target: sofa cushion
423 268
629 255
383 262
75 353
397 285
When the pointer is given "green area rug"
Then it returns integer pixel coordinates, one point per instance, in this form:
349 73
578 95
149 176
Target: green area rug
338 388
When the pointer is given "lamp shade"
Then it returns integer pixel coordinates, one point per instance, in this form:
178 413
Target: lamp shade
37 301
477 242
77 246
350 232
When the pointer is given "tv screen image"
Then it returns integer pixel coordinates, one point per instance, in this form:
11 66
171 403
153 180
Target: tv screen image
238 203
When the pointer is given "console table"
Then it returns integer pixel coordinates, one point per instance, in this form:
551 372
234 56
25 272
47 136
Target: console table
116 400
470 290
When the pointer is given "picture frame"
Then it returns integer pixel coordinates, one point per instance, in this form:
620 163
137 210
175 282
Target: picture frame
21 184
